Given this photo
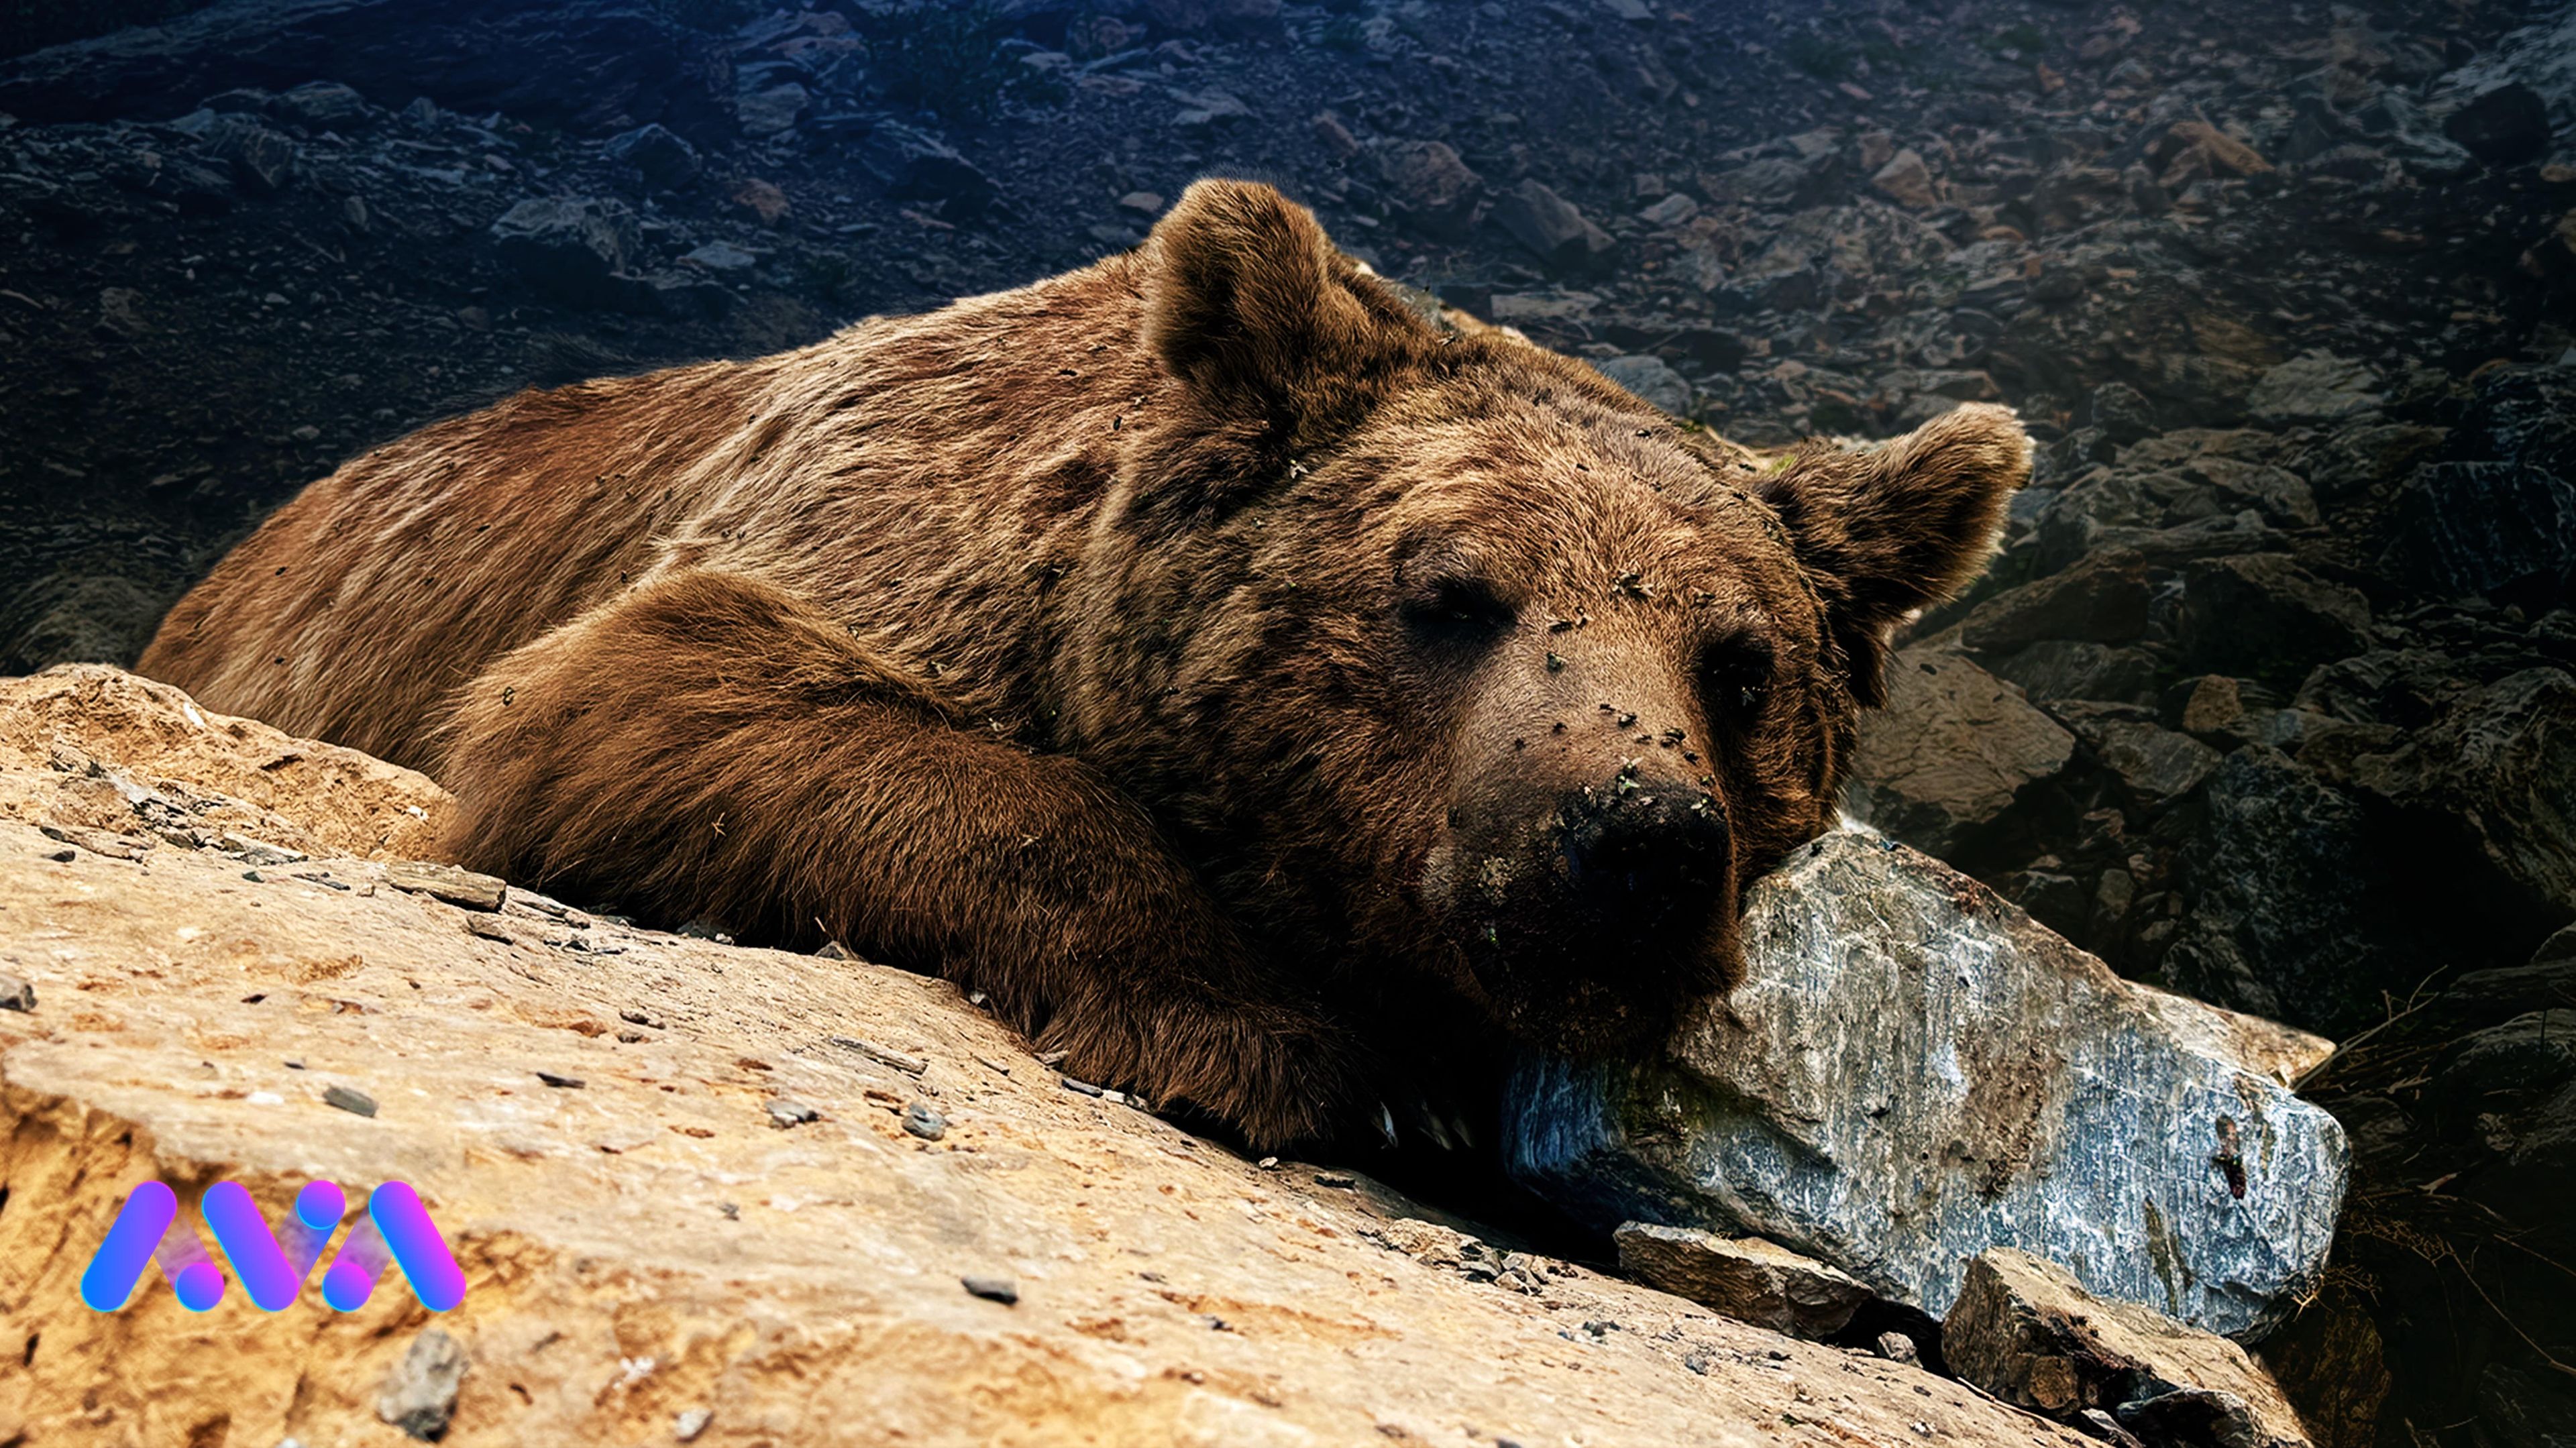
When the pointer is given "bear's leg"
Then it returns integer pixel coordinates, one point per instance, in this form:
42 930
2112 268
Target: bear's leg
709 744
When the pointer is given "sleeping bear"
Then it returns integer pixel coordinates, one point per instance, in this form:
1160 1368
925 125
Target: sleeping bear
1254 687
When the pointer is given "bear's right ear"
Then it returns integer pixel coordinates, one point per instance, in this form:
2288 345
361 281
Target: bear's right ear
1275 332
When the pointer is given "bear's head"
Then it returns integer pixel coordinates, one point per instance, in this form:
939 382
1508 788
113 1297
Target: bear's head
1441 654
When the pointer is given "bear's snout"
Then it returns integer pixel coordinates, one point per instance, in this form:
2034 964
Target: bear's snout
1642 854
1589 916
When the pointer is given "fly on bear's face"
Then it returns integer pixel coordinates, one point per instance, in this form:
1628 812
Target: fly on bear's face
1247 685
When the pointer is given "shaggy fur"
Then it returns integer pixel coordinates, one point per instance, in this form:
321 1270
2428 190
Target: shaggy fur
1246 683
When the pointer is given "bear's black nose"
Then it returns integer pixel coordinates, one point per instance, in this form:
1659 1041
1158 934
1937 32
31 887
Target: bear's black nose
1643 855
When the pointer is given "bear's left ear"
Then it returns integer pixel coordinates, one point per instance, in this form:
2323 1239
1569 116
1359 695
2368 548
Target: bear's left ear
1274 331
1884 531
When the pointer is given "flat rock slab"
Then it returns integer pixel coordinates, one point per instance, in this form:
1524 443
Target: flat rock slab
1746 1278
649 1258
2024 1331
1915 1071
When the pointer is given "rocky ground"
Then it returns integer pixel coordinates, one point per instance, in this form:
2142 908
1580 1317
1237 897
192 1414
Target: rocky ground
2269 699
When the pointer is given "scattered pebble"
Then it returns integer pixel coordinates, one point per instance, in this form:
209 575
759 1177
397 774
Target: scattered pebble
835 950
923 1120
63 857
992 1289
16 994
1335 1179
568 1083
488 929
639 1018
784 1113
690 1423
1085 1087
99 842
348 1100
1896 1347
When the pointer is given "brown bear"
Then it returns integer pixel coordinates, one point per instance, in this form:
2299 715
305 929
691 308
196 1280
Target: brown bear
1245 682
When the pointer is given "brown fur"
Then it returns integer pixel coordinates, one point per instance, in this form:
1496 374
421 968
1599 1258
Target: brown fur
1229 672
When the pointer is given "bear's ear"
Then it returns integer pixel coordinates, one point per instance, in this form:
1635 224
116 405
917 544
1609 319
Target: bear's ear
1884 531
1273 330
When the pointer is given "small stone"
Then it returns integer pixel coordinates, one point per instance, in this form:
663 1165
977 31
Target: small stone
419 1395
568 247
1907 181
1675 208
16 994
357 1102
64 856
835 950
2214 706
1431 189
768 112
923 1120
2503 127
2102 1425
568 1083
1343 1180
1143 203
486 928
1896 1347
721 256
447 882
992 1289
690 1423
1746 1278
1083 1087
784 1114
2196 1416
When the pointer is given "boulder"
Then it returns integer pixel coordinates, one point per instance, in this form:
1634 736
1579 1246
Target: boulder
1951 753
647 1257
2026 1331
1432 191
659 155
571 248
1650 378
2316 387
2469 528
1551 228
2502 127
1746 1278
914 165
2261 614
1914 1071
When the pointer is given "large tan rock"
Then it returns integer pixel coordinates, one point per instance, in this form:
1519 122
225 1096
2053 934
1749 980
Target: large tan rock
653 1251
88 746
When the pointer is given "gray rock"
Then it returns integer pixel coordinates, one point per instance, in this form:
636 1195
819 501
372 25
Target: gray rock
321 105
1552 228
915 165
2317 387
2468 528
665 160
1914 1071
570 247
2055 669
1746 1278
2261 614
2104 599
2026 1331
1651 379
1432 191
2503 127
262 161
451 883
772 110
2154 765
419 1395
2291 899
1951 752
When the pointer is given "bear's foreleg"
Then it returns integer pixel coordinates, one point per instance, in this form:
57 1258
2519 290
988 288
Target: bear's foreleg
710 744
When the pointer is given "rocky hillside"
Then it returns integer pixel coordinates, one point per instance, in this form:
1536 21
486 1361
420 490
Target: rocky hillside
2269 699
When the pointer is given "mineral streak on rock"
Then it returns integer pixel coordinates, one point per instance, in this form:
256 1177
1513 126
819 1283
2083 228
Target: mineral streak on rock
1915 1071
